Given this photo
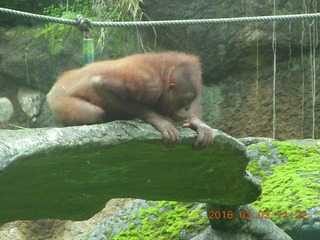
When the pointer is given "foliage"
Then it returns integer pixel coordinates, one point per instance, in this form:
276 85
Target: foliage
82 7
111 10
56 33
117 10
126 10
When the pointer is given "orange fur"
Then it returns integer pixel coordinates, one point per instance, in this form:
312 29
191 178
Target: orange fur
154 87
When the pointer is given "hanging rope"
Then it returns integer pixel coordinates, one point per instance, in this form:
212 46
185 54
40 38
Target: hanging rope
274 50
81 20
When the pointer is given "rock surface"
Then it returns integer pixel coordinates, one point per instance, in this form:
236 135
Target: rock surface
70 173
279 202
30 101
54 229
6 110
289 172
143 219
184 221
244 223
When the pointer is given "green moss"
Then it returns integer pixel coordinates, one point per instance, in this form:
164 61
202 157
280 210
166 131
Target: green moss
252 147
263 173
153 211
254 168
134 238
143 213
293 186
262 147
194 216
169 223
132 225
107 233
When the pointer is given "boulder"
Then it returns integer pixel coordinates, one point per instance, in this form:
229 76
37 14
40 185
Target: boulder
70 173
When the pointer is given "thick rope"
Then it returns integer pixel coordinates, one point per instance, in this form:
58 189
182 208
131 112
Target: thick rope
160 23
37 16
207 21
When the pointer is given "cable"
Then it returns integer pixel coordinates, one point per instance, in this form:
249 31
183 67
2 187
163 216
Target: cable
80 19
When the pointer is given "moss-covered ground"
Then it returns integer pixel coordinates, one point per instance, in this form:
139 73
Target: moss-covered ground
164 221
294 186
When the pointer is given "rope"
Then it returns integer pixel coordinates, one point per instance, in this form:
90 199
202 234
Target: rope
274 50
207 21
80 20
37 16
